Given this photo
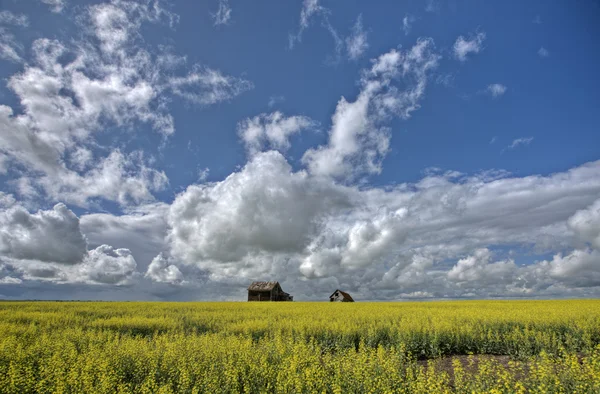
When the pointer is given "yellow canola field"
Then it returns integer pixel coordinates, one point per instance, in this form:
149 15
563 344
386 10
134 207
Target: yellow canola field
295 347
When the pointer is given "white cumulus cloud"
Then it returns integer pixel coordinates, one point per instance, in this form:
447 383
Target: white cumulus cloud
586 224
267 220
160 270
358 138
265 208
48 236
106 265
141 230
108 77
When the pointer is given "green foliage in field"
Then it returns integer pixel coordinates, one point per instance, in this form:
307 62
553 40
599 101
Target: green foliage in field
140 347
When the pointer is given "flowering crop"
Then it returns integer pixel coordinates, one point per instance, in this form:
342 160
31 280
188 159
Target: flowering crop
143 347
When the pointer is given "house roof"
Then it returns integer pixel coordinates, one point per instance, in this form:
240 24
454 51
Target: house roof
344 294
262 286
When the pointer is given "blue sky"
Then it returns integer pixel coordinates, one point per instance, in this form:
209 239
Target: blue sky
398 150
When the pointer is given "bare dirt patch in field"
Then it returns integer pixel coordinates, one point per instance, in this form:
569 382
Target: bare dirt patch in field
470 364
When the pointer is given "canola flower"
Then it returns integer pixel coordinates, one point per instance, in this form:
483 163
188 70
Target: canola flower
144 347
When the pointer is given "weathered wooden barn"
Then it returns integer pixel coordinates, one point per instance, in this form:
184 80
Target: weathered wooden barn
267 291
340 296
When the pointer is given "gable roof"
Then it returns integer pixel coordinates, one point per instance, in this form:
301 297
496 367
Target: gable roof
263 286
344 294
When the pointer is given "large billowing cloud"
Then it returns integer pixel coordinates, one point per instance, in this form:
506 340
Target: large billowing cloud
586 224
50 246
478 270
160 270
48 236
141 230
108 265
443 236
267 217
265 208
580 268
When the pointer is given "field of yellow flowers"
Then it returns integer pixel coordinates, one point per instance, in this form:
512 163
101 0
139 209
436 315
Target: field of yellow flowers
432 347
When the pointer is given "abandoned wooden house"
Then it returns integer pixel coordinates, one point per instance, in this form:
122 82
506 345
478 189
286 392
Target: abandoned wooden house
340 296
267 291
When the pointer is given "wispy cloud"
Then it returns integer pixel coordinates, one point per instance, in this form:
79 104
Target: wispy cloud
432 6
464 46
537 20
223 14
206 86
357 43
8 18
310 8
520 142
10 49
543 52
203 174
445 79
407 23
496 89
55 5
494 139
274 100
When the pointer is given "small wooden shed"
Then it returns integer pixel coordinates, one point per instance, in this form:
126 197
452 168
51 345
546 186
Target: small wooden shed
267 291
340 296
